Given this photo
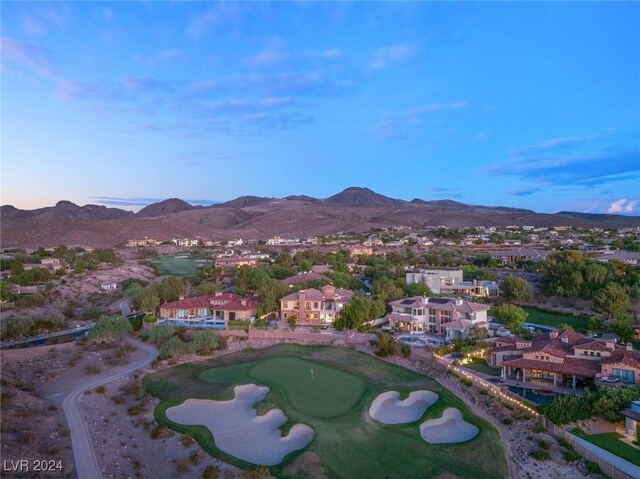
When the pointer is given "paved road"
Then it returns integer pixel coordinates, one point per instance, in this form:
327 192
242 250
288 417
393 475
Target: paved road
83 453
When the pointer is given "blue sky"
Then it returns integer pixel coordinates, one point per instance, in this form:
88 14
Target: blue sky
532 105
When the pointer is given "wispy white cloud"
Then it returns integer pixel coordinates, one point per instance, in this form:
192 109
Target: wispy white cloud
623 206
393 55
582 161
33 57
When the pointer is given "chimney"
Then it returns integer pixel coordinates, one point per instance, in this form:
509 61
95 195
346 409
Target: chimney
243 302
181 297
302 296
629 346
554 334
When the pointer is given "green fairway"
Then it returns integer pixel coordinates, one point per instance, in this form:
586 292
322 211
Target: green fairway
178 264
334 402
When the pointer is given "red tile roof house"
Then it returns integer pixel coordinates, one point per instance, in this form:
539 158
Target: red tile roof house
447 317
564 358
211 311
312 306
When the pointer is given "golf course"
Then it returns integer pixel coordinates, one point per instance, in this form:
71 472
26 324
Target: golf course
178 264
319 398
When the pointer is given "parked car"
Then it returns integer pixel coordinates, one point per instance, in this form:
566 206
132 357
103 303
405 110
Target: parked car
503 333
610 379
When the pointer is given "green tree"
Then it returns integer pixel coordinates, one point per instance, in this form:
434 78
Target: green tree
241 279
13 328
147 300
205 343
159 333
478 333
171 289
359 311
612 300
174 347
305 265
293 321
5 294
385 345
386 290
512 315
623 326
517 290
417 289
133 291
109 329
16 267
269 294
206 288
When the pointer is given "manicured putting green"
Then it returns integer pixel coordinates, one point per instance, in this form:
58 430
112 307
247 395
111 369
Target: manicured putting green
310 387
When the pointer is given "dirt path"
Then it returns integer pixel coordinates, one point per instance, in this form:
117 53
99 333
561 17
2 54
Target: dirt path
83 453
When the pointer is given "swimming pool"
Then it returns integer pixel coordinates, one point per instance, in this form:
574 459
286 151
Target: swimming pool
533 395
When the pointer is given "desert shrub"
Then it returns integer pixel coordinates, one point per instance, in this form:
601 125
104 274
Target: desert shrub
211 472
405 349
466 381
119 399
159 431
542 444
483 391
509 406
564 443
91 313
100 390
136 410
385 345
540 455
538 427
196 457
258 472
570 456
205 343
183 466
507 421
187 440
109 329
159 333
592 467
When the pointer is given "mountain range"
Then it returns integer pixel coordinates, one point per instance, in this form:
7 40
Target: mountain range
354 209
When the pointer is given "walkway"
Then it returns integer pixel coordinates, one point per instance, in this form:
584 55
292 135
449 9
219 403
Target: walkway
83 453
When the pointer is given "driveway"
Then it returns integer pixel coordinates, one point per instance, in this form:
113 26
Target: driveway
83 453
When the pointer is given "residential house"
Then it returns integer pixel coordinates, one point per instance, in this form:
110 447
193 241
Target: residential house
627 257
312 306
481 289
213 311
565 358
513 256
235 262
360 250
435 279
51 263
452 318
185 242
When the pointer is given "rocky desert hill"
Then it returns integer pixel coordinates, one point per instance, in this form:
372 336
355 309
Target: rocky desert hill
251 217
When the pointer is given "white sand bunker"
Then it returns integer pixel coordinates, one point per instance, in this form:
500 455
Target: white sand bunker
450 427
388 409
239 431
